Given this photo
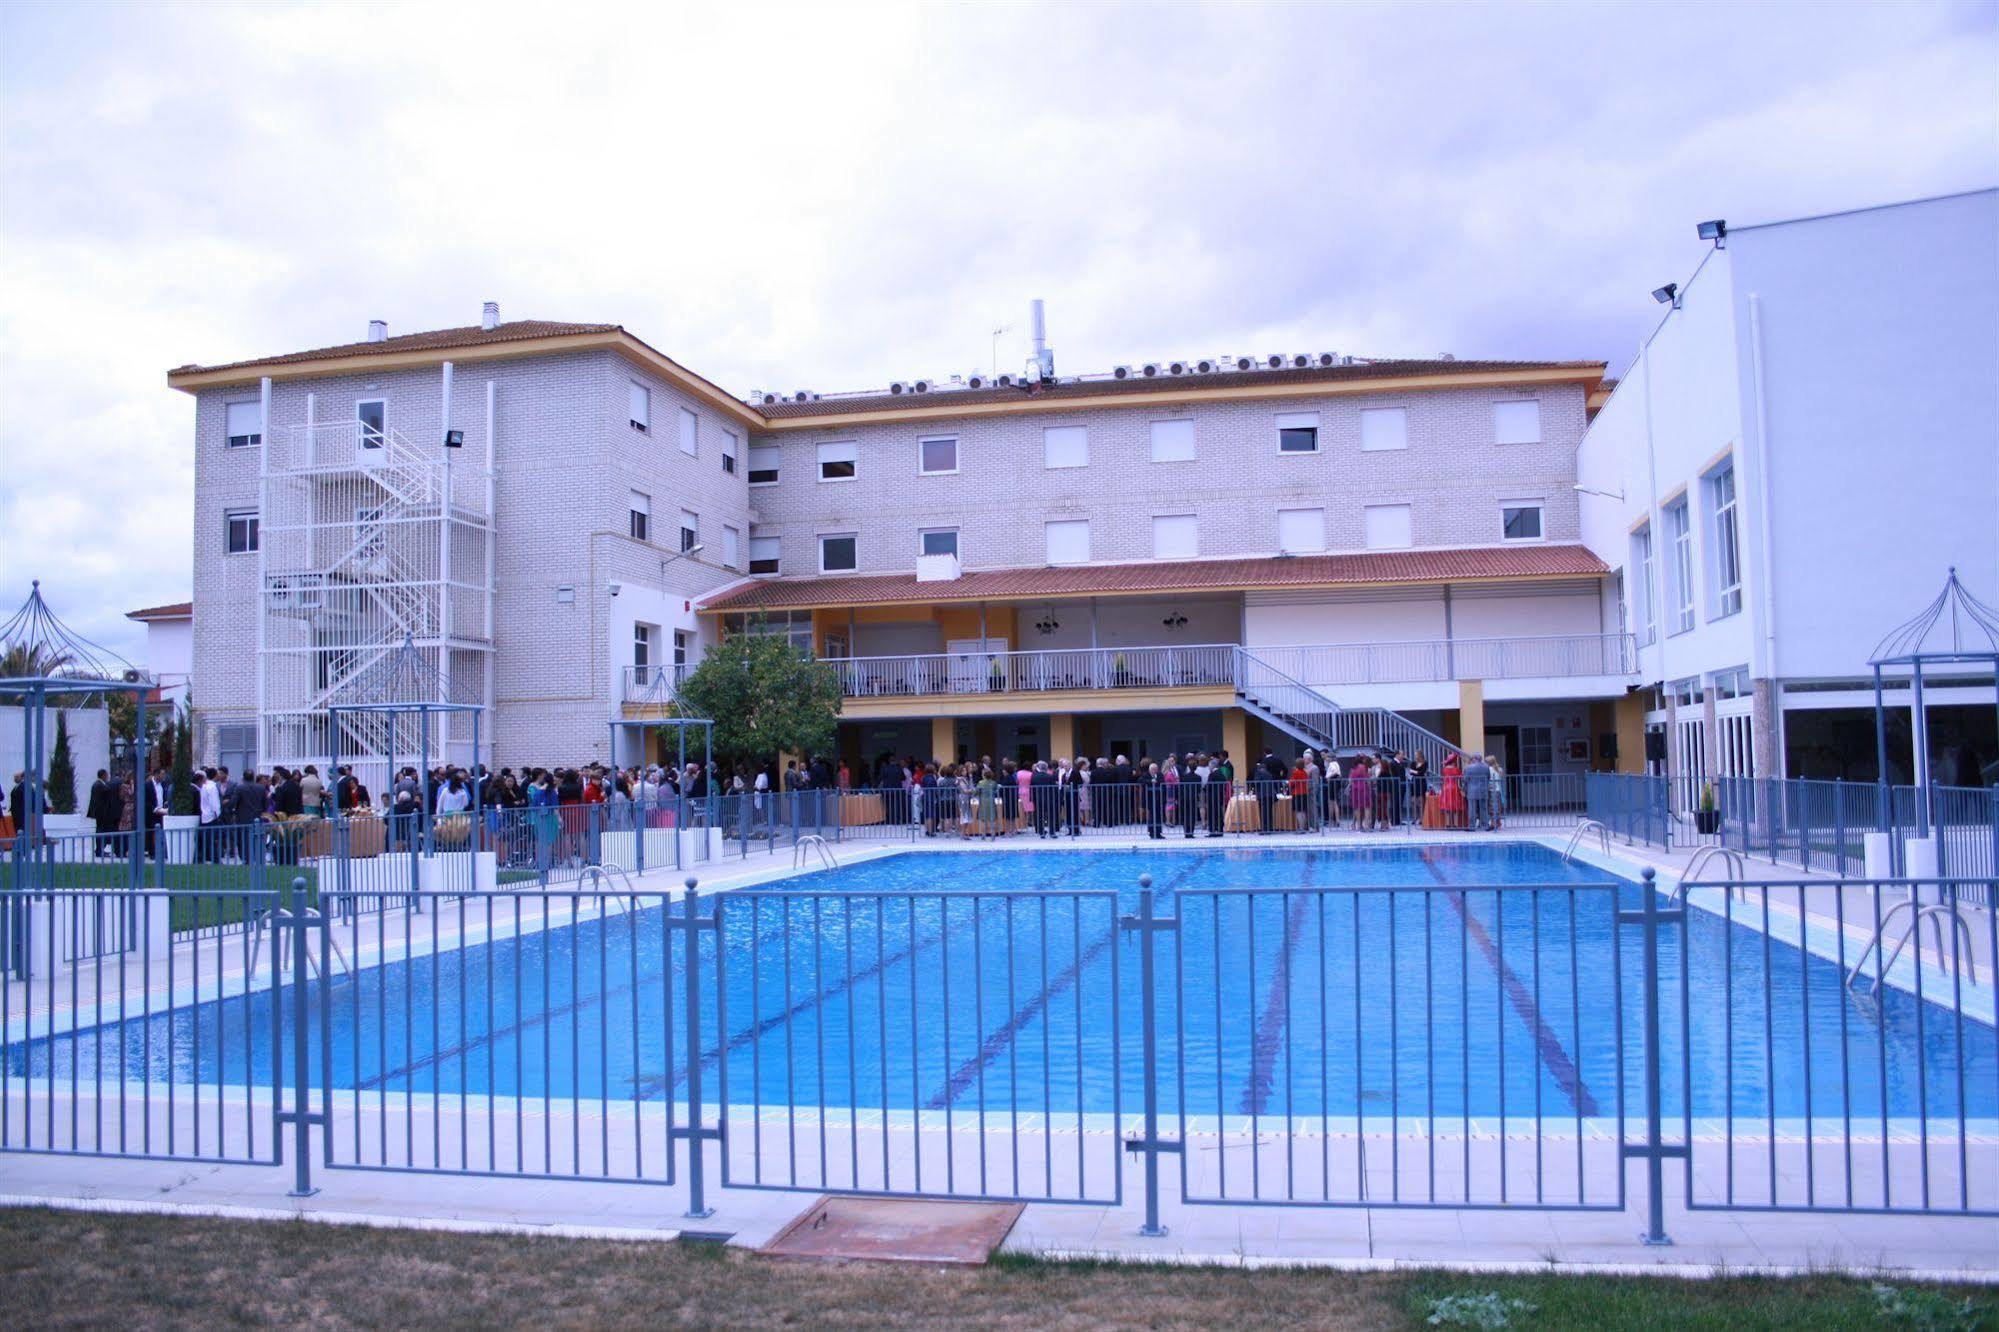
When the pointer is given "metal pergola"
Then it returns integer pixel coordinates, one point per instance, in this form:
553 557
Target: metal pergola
44 663
400 685
1954 630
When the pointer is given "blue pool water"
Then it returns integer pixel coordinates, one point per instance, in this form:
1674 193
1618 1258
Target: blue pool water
1483 980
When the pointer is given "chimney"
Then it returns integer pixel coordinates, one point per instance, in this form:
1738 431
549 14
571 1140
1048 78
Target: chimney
1043 364
489 318
378 330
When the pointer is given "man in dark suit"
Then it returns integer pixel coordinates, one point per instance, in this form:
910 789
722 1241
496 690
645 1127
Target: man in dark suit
104 809
1269 777
243 811
152 812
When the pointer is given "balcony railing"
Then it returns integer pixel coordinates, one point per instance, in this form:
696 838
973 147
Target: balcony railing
653 684
1554 656
1210 664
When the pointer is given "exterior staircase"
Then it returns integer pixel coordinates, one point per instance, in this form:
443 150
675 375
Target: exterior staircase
1308 716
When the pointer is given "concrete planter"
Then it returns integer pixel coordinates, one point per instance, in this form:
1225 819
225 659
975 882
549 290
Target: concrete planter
67 825
183 831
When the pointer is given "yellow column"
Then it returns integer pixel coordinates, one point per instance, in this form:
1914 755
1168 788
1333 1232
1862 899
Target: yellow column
1062 735
1471 716
1235 739
943 739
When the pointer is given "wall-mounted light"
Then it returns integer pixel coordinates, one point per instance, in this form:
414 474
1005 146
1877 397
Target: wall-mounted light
1048 624
1175 621
454 439
1668 294
1716 231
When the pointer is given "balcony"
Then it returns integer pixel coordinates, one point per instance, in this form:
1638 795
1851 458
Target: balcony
1562 656
652 684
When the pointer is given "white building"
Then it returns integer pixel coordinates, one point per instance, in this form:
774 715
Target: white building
169 649
1803 447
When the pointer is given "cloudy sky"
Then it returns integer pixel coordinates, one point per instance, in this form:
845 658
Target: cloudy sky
835 195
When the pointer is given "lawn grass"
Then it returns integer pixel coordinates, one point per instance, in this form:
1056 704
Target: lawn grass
222 886
68 1269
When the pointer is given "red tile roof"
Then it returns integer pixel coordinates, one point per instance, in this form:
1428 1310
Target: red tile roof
1371 567
179 610
438 339
1163 384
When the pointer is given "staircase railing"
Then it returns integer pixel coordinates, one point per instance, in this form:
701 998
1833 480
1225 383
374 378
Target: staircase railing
1310 716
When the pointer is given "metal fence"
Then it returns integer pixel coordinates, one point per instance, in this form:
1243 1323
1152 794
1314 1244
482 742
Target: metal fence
1827 1045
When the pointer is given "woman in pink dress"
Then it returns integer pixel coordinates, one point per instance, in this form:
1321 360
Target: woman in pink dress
1022 779
1360 794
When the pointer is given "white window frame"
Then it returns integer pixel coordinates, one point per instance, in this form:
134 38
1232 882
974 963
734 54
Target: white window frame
1193 452
957 455
847 451
638 407
1540 508
732 546
1680 564
251 439
1067 525
1284 421
1724 541
1499 410
1643 559
1366 536
253 532
776 561
639 525
925 532
1194 529
824 537
363 438
1049 435
1319 513
690 433
642 646
730 445
690 530
1381 417
776 461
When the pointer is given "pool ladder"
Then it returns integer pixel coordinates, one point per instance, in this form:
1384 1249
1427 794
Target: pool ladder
813 842
1934 914
279 959
1737 869
601 874
1584 829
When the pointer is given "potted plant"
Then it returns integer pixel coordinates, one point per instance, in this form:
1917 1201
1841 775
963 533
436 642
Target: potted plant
183 820
1707 818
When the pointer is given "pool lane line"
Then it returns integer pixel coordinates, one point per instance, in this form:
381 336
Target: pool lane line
1275 1019
996 1043
1553 1057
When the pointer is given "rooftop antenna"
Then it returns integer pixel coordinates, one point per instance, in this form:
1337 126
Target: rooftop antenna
997 332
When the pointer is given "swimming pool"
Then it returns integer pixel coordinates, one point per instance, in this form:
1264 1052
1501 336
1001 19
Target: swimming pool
1466 981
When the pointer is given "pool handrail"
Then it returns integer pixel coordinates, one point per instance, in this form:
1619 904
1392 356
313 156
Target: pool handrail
1583 828
1738 869
813 842
1919 913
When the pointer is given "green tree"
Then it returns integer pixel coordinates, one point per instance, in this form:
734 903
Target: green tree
61 785
765 698
180 792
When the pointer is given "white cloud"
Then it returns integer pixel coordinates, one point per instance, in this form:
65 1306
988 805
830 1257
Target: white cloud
833 196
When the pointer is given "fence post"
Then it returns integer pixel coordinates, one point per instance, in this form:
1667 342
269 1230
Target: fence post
1653 1151
300 1116
1149 1144
690 924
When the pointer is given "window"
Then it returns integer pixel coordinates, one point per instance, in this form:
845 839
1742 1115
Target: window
1065 446
1384 428
764 555
1386 526
937 541
1297 432
1517 422
641 527
372 416
1645 607
1301 531
732 547
763 464
837 461
1069 541
642 635
1724 537
1680 567
793 626
690 428
641 408
1520 522
937 455
837 553
1172 441
245 426
239 528
680 645
690 529
236 748
1175 536
729 442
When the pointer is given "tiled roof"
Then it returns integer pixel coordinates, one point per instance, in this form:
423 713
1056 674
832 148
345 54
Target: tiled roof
439 339
1162 384
1370 567
179 610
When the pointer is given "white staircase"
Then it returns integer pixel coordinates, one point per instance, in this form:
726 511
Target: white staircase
1308 716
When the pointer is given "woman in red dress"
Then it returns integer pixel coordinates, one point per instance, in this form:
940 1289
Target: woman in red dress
1453 800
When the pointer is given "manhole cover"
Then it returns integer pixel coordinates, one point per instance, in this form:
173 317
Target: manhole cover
897 1229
